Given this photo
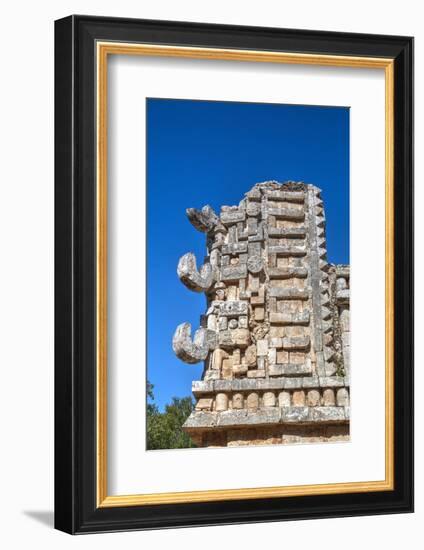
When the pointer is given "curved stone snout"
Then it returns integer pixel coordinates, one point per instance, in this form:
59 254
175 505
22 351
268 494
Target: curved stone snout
203 220
187 350
199 281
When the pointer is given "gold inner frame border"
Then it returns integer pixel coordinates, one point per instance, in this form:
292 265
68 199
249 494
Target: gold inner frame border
103 50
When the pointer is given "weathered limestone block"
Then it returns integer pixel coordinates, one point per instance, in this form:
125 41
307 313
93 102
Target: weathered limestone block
229 217
294 414
234 248
284 399
289 369
313 398
287 272
287 196
262 347
221 402
239 337
204 403
287 213
328 398
297 318
268 399
238 401
298 398
327 414
233 273
253 401
342 397
298 232
250 355
289 293
239 370
259 313
344 319
233 308
296 343
287 251
258 373
199 281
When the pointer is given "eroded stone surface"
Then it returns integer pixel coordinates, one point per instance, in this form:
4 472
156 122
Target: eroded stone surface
275 339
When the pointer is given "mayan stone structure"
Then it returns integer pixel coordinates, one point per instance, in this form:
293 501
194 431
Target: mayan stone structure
275 336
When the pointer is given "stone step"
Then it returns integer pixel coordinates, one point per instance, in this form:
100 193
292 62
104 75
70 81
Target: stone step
296 343
287 251
287 232
290 369
201 387
289 318
287 196
266 416
288 293
287 272
287 214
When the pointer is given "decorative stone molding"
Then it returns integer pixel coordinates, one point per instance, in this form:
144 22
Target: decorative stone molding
275 338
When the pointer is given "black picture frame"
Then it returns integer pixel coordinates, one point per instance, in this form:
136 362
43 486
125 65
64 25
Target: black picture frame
76 510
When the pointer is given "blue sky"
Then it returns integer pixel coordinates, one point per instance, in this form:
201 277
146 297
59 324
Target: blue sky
212 152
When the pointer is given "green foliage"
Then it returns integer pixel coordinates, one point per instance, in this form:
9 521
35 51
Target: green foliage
164 430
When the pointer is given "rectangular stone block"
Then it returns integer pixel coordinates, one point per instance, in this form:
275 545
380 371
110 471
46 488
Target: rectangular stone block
293 383
327 414
287 213
234 338
201 419
294 414
204 403
262 347
272 356
275 343
286 251
253 209
296 343
287 196
287 232
311 382
233 273
200 386
331 381
249 418
287 272
235 248
282 357
290 369
259 313
239 369
289 293
258 373
232 216
301 318
233 308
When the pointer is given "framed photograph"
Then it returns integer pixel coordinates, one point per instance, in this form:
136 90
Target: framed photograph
234 269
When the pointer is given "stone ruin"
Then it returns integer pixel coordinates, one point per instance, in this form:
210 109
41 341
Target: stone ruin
275 336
